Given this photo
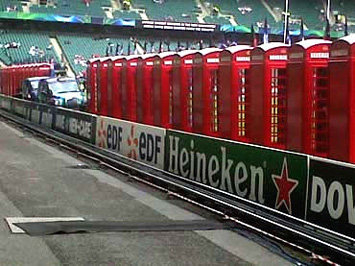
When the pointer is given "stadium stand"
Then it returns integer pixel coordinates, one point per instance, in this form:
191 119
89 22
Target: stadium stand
171 10
344 7
216 20
79 49
245 12
152 45
25 47
10 5
313 15
123 14
4 58
73 7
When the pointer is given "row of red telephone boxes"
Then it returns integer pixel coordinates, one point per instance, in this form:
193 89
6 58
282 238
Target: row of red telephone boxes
11 77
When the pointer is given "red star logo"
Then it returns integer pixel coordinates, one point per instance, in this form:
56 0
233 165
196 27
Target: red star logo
102 135
284 186
132 141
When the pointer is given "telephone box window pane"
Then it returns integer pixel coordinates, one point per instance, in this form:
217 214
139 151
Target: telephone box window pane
189 98
170 96
214 100
320 103
278 105
242 101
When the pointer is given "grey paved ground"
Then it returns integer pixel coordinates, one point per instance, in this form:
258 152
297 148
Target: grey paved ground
37 180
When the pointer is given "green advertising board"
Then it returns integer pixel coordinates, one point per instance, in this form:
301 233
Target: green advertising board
264 176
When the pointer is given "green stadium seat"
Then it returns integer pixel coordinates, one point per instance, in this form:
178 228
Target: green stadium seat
5 4
245 12
216 20
122 14
176 10
79 49
23 42
74 7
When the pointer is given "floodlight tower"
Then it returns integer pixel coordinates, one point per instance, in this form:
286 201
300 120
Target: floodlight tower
286 14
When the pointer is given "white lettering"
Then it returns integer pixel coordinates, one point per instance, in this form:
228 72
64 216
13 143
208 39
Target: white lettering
350 204
201 167
184 160
173 154
256 171
240 176
318 185
335 211
278 57
225 176
213 168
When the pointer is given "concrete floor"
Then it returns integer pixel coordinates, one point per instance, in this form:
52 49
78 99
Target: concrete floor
39 180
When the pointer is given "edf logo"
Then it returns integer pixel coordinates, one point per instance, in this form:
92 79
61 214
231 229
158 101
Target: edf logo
114 137
132 140
149 147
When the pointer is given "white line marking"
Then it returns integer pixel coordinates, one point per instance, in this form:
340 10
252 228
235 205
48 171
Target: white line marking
16 230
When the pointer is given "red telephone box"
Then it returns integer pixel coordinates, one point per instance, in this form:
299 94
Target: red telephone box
163 89
342 99
234 82
26 71
2 76
117 78
17 80
93 85
182 90
44 70
103 88
145 84
268 95
5 74
21 75
129 94
205 100
308 97
33 70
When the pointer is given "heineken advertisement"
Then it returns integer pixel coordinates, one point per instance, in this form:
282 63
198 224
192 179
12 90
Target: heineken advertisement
272 178
331 196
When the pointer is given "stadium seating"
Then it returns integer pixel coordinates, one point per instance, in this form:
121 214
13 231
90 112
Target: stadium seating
344 7
245 12
10 5
216 20
122 14
4 58
311 14
78 49
17 46
74 7
181 10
